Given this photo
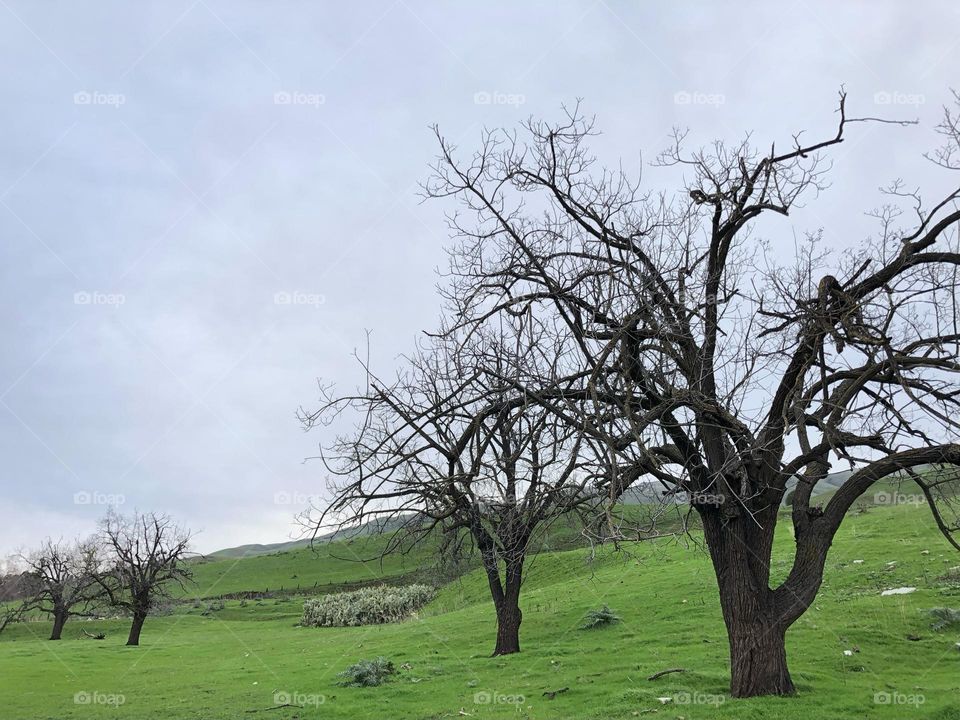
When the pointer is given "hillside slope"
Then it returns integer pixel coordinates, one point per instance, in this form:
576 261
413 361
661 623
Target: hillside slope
227 663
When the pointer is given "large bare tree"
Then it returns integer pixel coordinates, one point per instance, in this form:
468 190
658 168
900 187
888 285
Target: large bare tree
64 580
713 366
145 558
455 452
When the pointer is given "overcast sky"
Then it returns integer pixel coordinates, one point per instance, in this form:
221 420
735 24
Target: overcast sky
204 205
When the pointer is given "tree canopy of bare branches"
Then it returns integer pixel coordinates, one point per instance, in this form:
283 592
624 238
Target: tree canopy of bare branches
64 580
707 363
145 558
455 450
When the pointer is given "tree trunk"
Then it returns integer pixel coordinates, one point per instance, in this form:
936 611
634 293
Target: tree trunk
506 600
509 617
59 620
755 619
136 627
758 659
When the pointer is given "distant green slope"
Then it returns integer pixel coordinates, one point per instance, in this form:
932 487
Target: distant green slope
258 549
250 550
351 562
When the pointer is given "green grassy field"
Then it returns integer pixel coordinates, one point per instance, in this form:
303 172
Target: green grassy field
239 661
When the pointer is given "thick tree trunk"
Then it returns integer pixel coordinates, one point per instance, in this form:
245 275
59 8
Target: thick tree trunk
509 617
59 620
136 627
755 618
758 660
506 600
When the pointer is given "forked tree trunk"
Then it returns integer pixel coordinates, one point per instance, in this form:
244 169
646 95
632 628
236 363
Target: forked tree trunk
756 627
136 627
59 620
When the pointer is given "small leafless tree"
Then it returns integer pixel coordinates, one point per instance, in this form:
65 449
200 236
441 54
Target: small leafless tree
454 451
145 556
10 613
713 366
65 580
12 606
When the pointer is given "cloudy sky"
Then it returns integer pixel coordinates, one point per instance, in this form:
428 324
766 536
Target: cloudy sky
205 204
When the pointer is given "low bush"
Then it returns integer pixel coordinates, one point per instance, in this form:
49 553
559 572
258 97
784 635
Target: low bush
214 606
367 673
944 618
599 618
369 606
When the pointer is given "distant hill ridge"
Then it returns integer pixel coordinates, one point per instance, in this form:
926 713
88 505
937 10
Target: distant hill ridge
640 494
255 549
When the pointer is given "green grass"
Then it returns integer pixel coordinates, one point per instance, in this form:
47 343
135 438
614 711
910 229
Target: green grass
231 663
323 566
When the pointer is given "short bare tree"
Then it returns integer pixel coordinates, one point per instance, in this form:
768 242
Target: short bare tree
714 367
455 452
10 613
145 558
12 605
64 580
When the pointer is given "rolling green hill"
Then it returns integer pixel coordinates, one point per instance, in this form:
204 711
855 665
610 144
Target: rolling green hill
203 662
306 569
252 550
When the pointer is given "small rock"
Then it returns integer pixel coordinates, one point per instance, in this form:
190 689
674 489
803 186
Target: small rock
898 591
858 562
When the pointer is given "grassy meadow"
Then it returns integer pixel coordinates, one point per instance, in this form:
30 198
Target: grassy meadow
250 659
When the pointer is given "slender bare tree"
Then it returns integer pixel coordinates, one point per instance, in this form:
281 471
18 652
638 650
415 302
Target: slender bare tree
145 557
454 451
64 579
714 368
12 605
